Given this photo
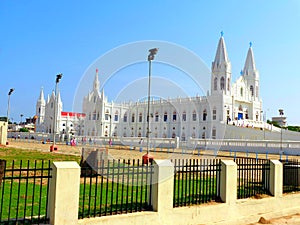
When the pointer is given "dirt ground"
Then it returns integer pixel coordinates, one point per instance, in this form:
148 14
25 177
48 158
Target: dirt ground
122 152
118 152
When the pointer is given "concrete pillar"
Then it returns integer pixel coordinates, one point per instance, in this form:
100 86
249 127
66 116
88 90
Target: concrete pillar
64 193
162 186
228 182
3 133
276 178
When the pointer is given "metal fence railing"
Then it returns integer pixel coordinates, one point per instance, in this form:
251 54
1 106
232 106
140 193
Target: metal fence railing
291 175
24 192
253 177
196 181
115 187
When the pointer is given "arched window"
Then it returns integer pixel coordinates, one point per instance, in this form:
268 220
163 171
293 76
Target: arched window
222 83
107 115
125 117
132 117
204 117
98 116
156 117
117 115
183 137
251 90
216 83
242 92
140 117
203 135
173 135
194 115
214 114
193 135
214 133
256 91
228 84
184 116
174 116
94 115
165 117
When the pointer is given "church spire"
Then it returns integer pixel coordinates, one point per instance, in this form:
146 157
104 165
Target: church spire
96 81
249 67
221 54
42 98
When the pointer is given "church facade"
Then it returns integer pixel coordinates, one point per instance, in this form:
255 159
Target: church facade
234 103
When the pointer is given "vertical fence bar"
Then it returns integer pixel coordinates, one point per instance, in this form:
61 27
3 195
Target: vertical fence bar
118 181
107 183
132 186
26 190
142 186
101 187
19 190
123 184
127 190
96 190
112 186
137 185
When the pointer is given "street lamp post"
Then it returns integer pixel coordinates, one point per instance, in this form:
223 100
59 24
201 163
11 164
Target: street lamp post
8 104
21 119
150 58
281 113
58 77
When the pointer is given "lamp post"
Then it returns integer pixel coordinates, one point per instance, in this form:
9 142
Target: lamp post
21 119
152 53
281 114
58 77
8 104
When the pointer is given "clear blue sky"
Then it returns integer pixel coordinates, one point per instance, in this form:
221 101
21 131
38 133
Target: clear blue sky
42 38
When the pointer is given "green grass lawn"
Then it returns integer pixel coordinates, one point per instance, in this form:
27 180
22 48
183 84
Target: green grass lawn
22 197
10 154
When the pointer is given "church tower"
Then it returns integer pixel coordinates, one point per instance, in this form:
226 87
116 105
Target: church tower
251 76
40 108
221 71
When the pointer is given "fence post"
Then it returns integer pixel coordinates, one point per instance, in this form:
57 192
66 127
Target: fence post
276 178
228 181
162 186
64 193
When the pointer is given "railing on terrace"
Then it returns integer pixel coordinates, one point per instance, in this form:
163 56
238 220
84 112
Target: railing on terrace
291 175
196 181
24 192
115 187
253 177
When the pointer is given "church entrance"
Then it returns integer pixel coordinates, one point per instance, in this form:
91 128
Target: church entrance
240 116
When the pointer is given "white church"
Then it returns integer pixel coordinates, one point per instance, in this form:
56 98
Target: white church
228 103
230 110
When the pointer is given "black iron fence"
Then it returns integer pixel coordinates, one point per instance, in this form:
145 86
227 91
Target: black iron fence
115 187
291 175
24 192
196 181
253 177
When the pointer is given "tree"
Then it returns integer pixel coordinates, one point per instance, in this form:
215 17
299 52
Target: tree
24 129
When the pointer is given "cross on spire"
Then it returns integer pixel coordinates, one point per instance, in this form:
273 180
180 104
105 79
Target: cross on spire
222 33
250 44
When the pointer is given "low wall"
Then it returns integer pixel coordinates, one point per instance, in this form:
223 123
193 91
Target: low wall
242 212
231 211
